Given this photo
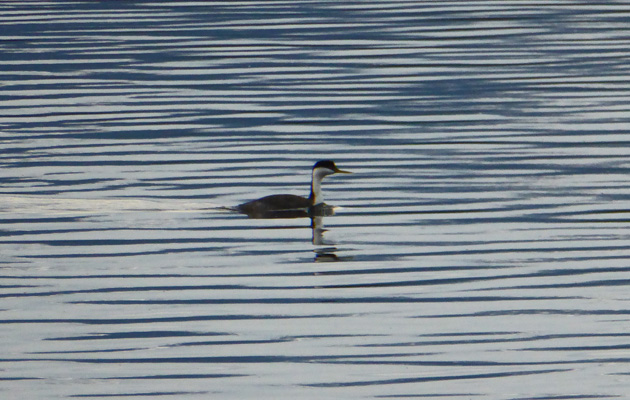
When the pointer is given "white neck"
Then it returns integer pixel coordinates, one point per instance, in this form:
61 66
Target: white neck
316 185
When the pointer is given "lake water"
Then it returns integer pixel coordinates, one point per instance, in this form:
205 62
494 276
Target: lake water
480 250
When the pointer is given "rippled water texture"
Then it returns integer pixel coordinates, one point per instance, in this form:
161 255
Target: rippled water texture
479 250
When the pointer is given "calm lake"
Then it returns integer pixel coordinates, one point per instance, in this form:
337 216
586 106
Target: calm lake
480 249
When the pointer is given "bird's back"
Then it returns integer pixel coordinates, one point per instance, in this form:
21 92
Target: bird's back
275 202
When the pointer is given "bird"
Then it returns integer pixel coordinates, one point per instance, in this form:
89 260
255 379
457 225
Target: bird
289 205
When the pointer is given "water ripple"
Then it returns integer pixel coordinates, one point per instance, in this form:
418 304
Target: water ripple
482 240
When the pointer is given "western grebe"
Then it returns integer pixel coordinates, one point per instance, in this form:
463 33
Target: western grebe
278 203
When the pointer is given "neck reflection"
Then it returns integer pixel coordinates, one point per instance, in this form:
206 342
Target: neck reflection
325 250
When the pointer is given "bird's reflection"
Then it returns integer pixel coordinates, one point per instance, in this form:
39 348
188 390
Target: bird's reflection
325 250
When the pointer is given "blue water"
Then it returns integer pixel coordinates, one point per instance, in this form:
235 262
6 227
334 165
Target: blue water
479 250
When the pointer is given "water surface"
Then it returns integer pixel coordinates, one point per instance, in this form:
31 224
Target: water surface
480 249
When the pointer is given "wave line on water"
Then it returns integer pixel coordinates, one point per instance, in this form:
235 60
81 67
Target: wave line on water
27 204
